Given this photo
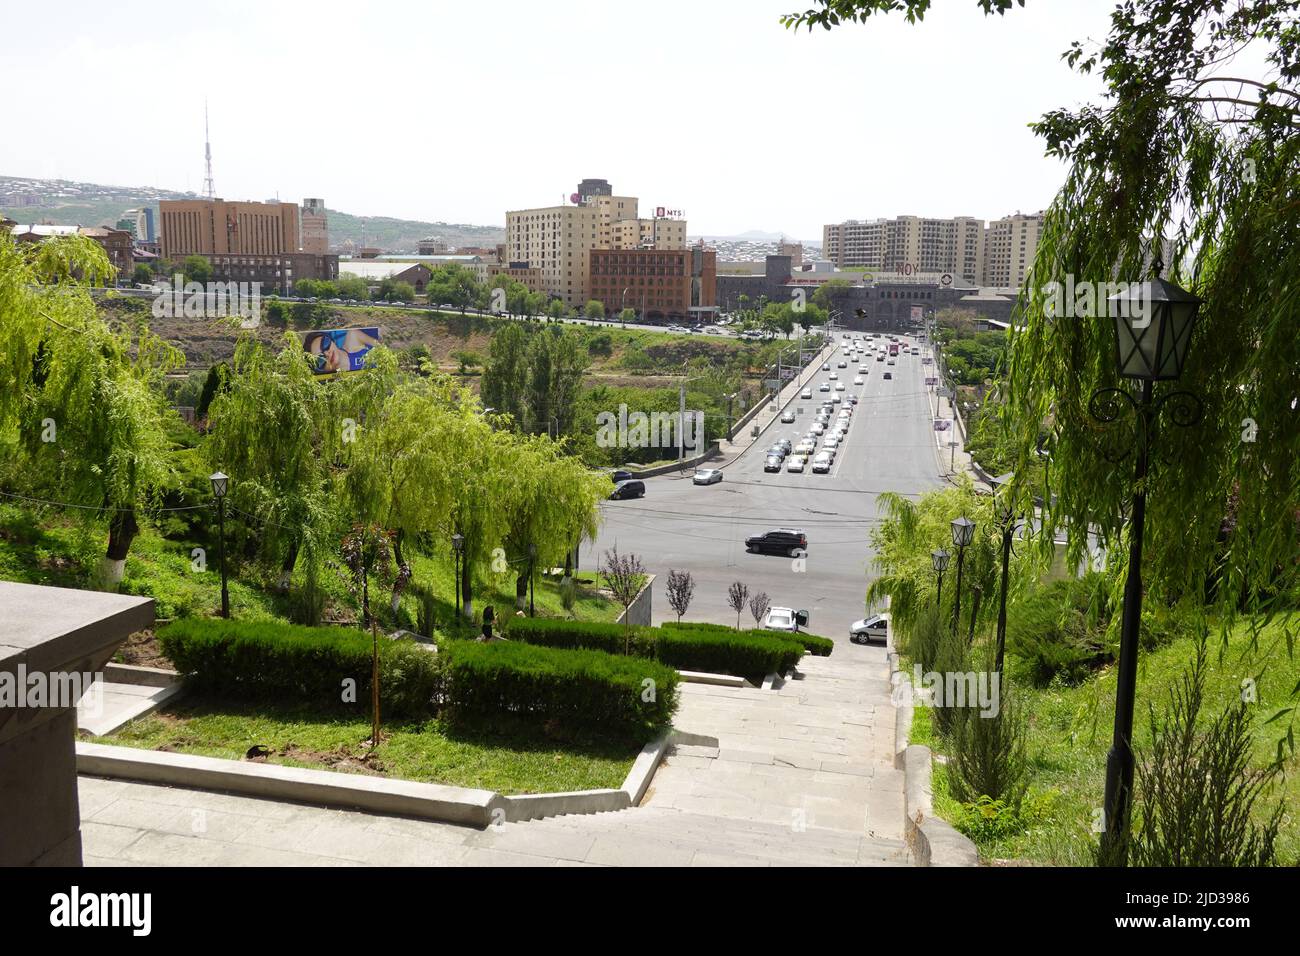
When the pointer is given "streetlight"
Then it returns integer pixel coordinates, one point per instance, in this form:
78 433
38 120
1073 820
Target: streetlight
220 484
532 560
1153 329
963 532
457 552
939 561
1006 517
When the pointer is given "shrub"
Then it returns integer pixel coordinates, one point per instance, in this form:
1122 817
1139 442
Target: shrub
950 657
715 649
1057 632
307 664
988 753
921 641
987 820
813 644
587 690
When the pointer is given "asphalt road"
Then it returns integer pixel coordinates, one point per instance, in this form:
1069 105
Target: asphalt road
702 529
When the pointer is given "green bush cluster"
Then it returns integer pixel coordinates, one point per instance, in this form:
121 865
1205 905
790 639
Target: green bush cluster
714 649
817 646
1058 632
580 689
265 659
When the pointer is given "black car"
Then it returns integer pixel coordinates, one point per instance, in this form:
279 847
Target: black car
618 476
628 489
777 451
790 542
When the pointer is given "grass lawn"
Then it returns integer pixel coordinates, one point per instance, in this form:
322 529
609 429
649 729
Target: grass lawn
506 758
1070 730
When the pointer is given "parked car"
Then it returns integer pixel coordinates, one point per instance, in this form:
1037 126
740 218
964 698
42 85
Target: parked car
785 619
874 628
784 541
628 489
620 475
707 476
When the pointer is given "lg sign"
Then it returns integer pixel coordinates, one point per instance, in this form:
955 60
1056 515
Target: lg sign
662 212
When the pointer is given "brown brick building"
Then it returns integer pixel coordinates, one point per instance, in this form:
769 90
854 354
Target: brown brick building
117 243
657 283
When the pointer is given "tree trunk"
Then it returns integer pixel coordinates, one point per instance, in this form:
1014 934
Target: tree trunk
286 569
466 588
122 529
521 591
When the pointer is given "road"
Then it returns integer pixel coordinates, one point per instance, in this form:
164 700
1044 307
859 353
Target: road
889 447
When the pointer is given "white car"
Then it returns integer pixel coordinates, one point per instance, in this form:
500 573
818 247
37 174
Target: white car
839 386
862 370
818 428
795 463
858 380
874 628
836 398
825 387
781 619
787 416
830 441
822 466
707 476
806 393
826 367
805 447
891 361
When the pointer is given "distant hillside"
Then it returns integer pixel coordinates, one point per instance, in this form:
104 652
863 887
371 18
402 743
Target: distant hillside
68 203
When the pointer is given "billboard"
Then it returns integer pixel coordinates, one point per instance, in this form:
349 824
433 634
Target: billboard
337 351
916 312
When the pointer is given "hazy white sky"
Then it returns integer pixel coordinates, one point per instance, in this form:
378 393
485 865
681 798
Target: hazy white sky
458 111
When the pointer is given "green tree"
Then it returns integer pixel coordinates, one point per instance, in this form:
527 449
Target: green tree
594 309
502 385
352 287
142 274
197 269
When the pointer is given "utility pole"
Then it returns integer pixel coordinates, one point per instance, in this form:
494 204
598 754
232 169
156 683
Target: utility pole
681 422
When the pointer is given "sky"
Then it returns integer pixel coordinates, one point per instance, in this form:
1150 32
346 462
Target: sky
456 112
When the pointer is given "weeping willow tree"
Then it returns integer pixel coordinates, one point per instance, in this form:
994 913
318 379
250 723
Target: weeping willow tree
82 413
1198 145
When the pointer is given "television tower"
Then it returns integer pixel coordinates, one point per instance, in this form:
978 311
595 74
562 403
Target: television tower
209 190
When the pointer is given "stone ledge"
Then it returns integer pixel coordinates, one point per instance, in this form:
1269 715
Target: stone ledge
643 769
144 676
723 680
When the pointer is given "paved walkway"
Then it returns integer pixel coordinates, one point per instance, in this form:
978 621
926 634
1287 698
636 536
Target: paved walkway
800 776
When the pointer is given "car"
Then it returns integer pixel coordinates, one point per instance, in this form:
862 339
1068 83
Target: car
806 393
826 366
888 376
891 362
874 628
785 444
787 542
795 464
880 357
858 380
822 466
787 416
862 370
707 476
853 399
834 376
836 397
839 386
818 428
784 619
620 475
806 446
773 463
628 489
830 441
776 451
825 387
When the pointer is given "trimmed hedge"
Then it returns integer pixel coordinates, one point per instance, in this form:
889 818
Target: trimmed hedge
749 654
817 646
585 689
303 664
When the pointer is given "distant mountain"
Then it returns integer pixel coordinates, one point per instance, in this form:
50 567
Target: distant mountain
67 203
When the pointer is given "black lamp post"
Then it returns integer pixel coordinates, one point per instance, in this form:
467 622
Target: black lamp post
220 484
457 552
532 560
963 532
1006 516
1153 328
939 561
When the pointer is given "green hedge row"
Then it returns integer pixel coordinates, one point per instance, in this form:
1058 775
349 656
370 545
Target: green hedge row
817 646
302 664
589 689
748 654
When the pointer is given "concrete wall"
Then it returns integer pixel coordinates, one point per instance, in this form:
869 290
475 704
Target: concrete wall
639 614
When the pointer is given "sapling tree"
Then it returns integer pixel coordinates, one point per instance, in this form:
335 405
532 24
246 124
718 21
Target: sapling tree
737 595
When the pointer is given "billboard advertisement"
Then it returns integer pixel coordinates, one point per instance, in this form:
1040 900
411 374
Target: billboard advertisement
337 351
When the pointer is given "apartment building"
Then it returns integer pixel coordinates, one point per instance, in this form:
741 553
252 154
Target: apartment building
1009 249
556 241
908 243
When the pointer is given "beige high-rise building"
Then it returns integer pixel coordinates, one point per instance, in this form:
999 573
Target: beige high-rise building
208 227
557 240
1009 249
911 243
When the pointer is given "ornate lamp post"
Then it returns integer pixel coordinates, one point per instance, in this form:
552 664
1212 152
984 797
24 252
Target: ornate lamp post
220 484
963 532
1006 517
1153 329
939 561
457 552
